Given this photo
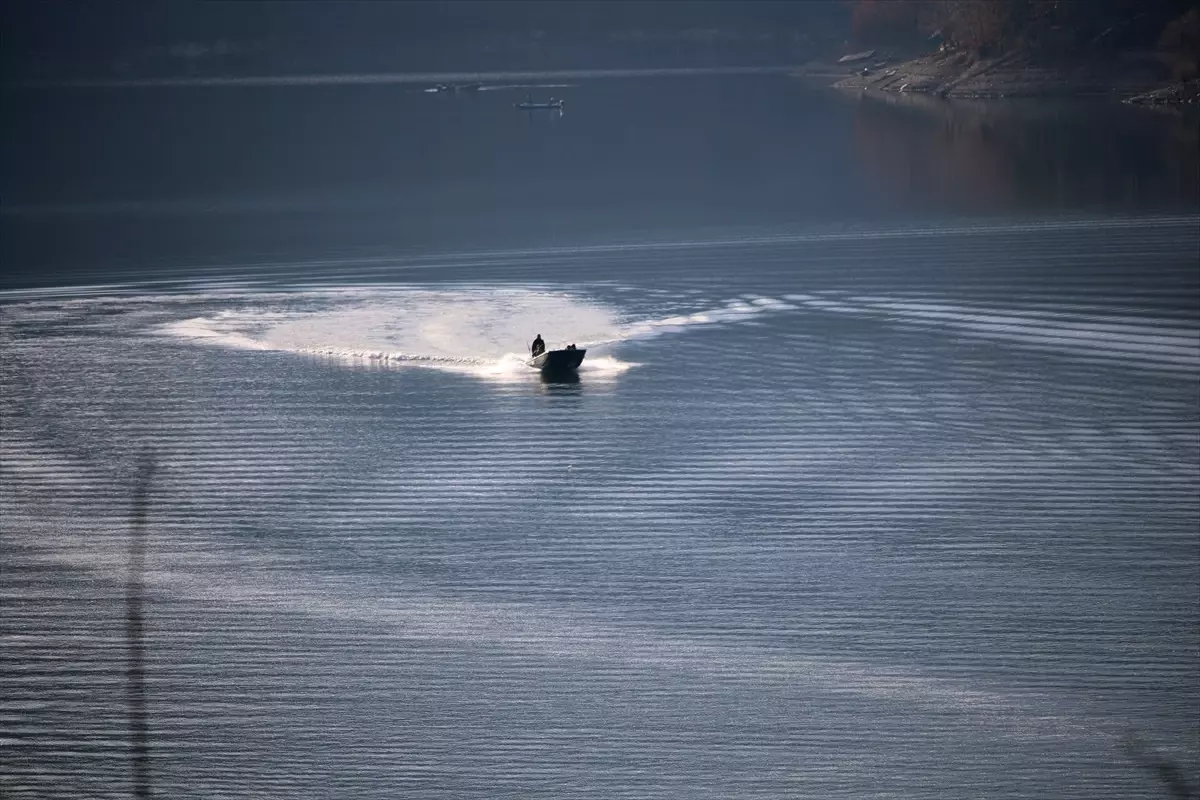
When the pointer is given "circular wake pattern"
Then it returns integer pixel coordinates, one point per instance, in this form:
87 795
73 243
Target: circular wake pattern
479 331
485 331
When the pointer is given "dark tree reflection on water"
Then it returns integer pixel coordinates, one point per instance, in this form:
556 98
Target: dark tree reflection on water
1018 154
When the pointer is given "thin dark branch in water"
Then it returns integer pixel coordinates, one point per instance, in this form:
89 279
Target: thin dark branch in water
136 671
1169 773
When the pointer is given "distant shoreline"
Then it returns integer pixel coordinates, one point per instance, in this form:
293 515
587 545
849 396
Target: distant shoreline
955 75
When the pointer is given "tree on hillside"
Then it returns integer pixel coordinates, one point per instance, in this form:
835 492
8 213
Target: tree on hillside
990 26
885 22
1180 41
1052 27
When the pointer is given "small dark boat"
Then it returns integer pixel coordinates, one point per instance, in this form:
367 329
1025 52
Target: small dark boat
529 105
454 88
552 361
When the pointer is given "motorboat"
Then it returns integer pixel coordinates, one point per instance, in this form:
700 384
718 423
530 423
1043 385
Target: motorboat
552 361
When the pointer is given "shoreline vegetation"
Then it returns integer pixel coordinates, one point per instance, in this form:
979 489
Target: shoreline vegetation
1144 53
957 76
1136 79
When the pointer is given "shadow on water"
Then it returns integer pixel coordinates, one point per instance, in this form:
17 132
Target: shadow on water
135 629
1167 772
560 384
563 378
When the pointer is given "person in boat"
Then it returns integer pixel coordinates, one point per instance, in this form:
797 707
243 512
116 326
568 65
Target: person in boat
538 347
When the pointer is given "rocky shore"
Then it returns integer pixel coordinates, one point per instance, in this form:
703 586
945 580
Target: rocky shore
1177 94
1138 79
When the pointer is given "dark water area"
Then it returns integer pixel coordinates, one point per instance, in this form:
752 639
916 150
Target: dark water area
151 180
881 475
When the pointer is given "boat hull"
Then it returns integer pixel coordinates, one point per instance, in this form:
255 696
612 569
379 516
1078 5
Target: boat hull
558 360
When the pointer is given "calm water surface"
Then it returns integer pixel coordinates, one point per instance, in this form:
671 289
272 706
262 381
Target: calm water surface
881 477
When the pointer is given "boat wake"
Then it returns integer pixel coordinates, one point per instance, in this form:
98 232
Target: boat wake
482 332
508 87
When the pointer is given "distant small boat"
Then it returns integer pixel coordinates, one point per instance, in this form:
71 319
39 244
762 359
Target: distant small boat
456 87
552 361
529 105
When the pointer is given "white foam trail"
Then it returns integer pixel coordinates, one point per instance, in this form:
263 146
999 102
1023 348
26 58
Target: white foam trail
511 86
205 328
478 331
733 311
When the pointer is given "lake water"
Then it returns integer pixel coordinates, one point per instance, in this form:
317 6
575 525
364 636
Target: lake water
881 477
